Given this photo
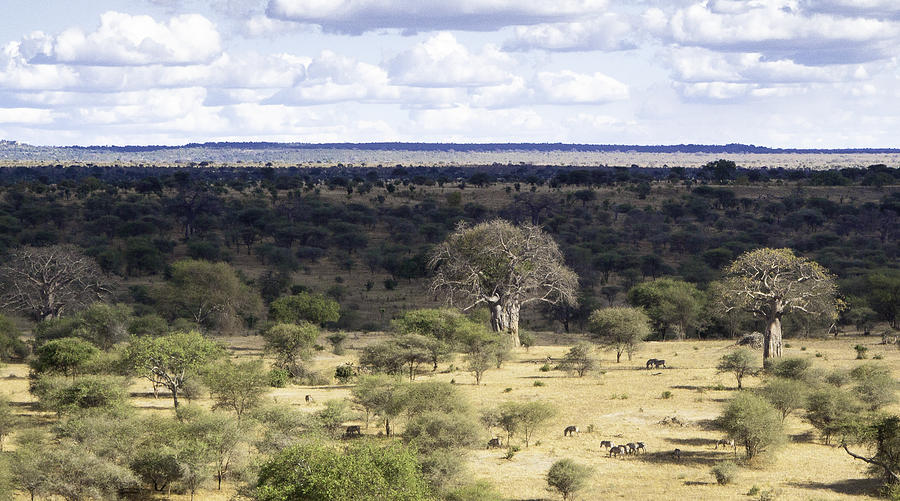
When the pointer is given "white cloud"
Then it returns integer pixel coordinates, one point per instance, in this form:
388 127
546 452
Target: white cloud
29 116
607 32
126 40
441 61
568 87
780 29
358 16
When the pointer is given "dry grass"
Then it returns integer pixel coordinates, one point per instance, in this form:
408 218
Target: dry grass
623 403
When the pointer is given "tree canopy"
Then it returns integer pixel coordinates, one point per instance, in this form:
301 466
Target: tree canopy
619 328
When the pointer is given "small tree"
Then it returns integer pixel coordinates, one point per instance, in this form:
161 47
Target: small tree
753 422
568 477
580 359
478 363
795 368
382 395
291 344
337 342
11 346
875 386
669 302
172 360
620 329
104 324
738 362
87 392
885 436
67 356
831 411
237 386
533 416
786 395
305 307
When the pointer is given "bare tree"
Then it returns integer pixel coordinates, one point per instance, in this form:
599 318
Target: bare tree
503 267
46 282
771 282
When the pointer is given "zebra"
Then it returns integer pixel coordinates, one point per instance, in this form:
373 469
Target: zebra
570 430
616 450
607 443
639 446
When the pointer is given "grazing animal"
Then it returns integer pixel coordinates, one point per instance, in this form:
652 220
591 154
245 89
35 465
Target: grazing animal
570 430
607 444
677 454
630 448
616 450
494 442
660 363
309 399
651 363
352 430
639 446
726 442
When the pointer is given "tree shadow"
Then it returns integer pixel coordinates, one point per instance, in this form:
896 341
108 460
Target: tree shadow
687 457
850 486
692 442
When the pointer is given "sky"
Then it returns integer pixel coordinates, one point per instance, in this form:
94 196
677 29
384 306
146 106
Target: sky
778 73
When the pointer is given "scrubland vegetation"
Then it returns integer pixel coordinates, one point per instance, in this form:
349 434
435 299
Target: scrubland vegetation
362 334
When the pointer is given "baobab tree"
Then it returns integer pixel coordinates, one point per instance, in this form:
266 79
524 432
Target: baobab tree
503 267
771 282
46 282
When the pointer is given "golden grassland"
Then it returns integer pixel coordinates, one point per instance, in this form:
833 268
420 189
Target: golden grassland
622 402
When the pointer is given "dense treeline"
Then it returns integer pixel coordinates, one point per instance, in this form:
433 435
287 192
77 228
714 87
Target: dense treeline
617 227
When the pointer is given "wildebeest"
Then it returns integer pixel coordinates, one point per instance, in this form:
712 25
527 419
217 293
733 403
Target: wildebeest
309 399
677 454
616 450
352 430
726 442
494 442
640 447
570 430
607 443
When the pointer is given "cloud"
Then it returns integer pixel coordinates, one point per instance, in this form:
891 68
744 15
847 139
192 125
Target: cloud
441 61
359 16
568 87
780 29
126 40
608 32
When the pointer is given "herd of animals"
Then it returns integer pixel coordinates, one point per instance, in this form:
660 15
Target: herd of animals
613 449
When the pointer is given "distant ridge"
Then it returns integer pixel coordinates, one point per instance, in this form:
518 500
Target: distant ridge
731 148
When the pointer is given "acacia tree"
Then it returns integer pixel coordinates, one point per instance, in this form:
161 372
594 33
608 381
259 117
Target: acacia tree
503 267
171 360
619 328
772 282
46 282
669 302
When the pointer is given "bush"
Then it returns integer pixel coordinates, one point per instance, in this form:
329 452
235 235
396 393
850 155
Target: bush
344 373
480 490
752 421
791 368
364 470
860 351
87 392
545 368
539 383
567 477
875 386
278 377
724 472
666 395
579 360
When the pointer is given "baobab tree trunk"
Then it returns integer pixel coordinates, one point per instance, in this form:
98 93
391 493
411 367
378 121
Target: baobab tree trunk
772 343
505 318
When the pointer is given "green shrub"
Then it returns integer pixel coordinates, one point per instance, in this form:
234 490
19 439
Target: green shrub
278 377
567 477
539 383
860 351
666 395
545 368
344 373
724 472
